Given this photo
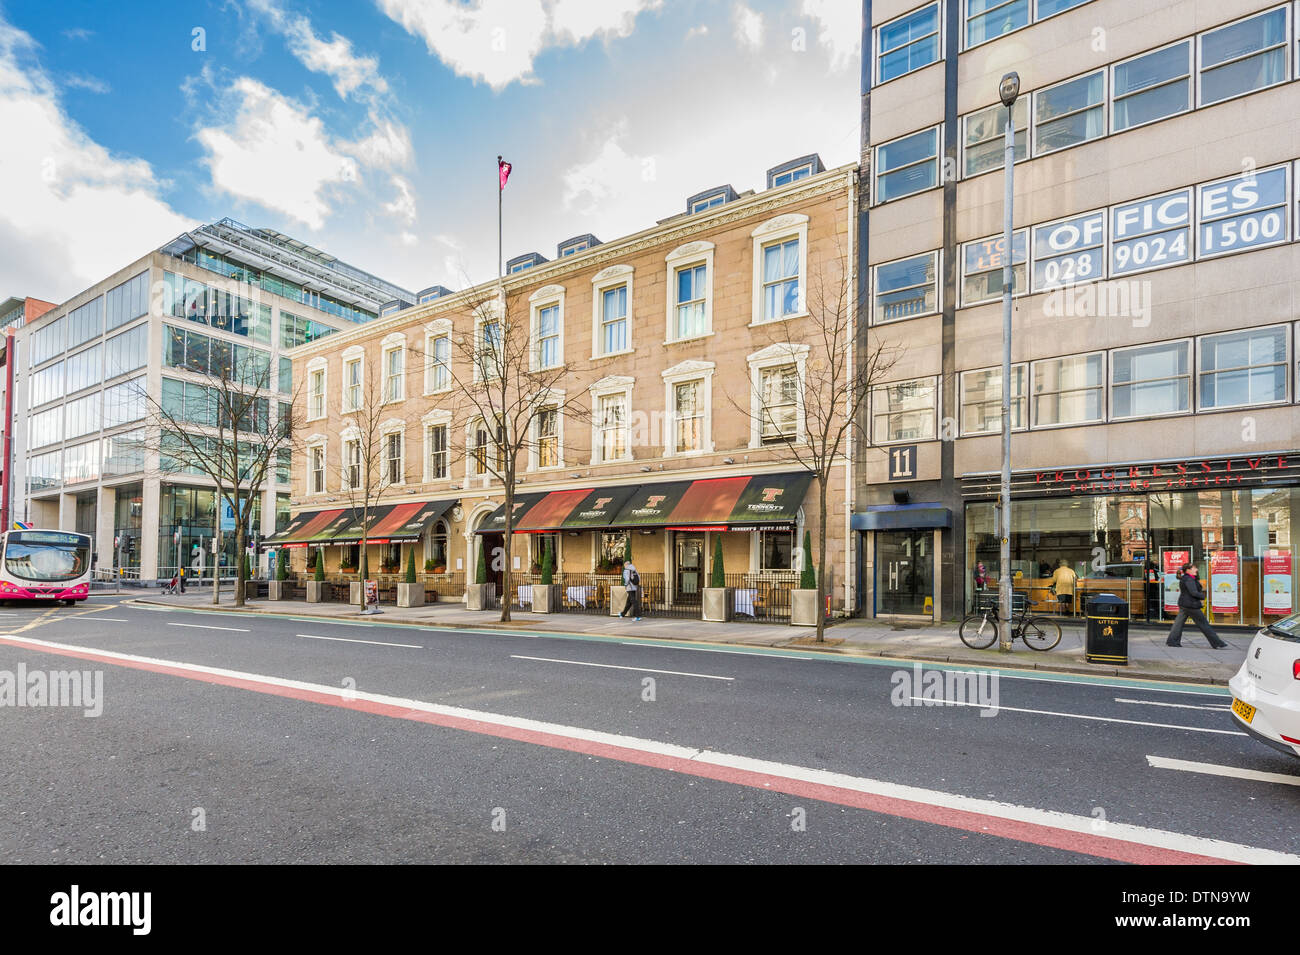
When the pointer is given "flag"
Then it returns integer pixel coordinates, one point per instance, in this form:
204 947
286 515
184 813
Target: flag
503 168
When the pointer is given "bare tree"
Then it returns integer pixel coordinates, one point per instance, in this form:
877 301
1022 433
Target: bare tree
812 417
374 443
506 379
223 422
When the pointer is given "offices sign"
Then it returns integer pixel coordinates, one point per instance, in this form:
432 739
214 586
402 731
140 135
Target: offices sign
1192 474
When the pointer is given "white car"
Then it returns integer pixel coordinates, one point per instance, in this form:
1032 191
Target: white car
1266 690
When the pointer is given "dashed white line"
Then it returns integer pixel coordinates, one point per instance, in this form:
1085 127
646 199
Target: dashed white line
1181 706
739 653
377 643
1214 769
611 666
204 626
1085 716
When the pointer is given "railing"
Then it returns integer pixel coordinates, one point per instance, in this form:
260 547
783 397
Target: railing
761 597
443 586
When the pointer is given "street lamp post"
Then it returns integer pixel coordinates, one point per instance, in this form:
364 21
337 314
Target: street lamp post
1008 90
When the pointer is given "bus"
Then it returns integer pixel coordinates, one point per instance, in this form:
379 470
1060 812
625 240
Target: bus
44 566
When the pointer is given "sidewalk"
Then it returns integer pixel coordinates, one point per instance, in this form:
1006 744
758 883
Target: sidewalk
1149 658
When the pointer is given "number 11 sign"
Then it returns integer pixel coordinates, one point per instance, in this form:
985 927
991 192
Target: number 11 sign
902 463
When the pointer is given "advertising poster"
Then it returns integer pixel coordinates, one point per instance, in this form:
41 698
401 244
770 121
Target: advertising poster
1277 583
1170 562
1225 581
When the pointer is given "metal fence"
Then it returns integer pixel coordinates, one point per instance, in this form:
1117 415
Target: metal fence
761 598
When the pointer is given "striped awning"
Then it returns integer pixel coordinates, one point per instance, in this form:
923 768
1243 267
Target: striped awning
389 524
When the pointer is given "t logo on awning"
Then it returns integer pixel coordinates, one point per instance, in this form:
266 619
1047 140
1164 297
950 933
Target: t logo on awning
770 494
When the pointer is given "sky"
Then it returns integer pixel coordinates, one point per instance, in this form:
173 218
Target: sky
370 128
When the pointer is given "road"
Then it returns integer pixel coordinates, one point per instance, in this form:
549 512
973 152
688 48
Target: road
250 738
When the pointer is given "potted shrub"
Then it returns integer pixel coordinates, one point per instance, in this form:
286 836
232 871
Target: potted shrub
803 601
317 591
429 565
478 595
718 598
277 589
546 595
410 593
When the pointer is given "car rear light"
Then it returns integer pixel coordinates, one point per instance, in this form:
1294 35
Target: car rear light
1295 669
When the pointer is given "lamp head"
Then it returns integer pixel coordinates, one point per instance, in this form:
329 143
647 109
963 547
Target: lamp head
1009 88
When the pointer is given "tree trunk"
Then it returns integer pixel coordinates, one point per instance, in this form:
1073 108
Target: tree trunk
216 549
239 555
363 564
506 551
821 558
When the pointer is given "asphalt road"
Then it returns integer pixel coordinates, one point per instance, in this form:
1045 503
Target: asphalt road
325 741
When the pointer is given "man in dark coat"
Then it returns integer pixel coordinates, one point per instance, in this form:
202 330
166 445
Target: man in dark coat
1191 597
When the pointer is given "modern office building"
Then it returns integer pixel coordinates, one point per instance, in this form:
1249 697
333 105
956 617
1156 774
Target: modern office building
669 342
1156 254
221 295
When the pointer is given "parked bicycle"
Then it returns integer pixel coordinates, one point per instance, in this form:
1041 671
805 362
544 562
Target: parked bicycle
979 630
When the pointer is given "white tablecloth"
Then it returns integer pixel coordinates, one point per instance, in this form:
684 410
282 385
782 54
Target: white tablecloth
525 592
745 600
580 594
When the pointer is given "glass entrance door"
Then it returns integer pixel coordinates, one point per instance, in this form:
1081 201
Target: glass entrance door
689 567
904 572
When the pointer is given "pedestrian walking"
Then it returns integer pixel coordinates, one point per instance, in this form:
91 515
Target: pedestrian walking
1151 576
632 582
196 564
1063 581
1191 597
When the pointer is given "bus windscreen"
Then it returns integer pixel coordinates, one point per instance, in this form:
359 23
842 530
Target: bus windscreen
46 555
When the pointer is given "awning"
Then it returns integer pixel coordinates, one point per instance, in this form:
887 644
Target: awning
308 527
735 503
902 517
495 523
392 523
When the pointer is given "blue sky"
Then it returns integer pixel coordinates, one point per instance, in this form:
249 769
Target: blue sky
370 128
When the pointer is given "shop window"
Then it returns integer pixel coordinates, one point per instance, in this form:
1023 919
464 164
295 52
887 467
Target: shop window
612 547
1068 390
1243 368
435 548
1151 380
775 550
981 400
904 411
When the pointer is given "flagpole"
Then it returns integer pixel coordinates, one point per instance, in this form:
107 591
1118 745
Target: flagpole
500 264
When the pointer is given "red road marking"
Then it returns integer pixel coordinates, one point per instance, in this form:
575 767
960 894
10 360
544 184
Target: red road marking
984 824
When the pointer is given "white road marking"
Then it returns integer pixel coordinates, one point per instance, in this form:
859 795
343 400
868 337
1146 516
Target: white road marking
739 653
377 643
1213 769
204 626
1085 716
610 666
1062 821
1181 706
89 619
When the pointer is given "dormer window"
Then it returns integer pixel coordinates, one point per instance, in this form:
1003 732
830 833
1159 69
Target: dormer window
525 261
794 175
709 199
715 200
794 170
579 243
520 266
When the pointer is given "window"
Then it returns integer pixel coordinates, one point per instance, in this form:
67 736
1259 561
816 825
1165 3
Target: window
46 384
780 279
1069 251
81 416
982 264
1243 56
779 393
124 403
435 548
316 393
791 175
316 470
81 463
1151 233
613 546
84 369
435 452
548 336
613 320
489 349
907 165
775 550
46 342
691 282
1070 113
548 438
611 421
908 43
284 377
352 464
127 301
688 415
124 453
904 411
985 139
295 331
1246 211
1152 86
986 19
1048 8
394 374
981 400
394 471
85 323
906 288
708 202
45 428
352 385
437 368
479 448
1243 368
1068 390
1150 380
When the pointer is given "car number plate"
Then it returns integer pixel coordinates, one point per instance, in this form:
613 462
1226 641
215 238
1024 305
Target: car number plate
1244 710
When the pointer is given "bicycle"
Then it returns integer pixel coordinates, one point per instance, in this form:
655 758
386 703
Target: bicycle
979 630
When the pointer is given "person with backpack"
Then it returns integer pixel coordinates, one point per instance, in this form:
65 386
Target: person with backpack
632 581
1191 597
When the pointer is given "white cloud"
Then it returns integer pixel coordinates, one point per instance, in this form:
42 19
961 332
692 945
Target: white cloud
71 212
403 206
749 27
496 41
275 153
91 84
839 29
590 185
701 30
334 57
387 147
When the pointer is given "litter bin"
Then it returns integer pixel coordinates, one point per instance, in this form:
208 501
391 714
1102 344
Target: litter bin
1107 640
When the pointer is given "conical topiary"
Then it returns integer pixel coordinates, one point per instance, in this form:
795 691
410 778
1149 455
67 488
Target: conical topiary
282 564
480 573
410 566
627 549
319 574
718 577
548 566
808 577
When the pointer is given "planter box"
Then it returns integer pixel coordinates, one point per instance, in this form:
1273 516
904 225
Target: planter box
277 590
617 599
803 608
354 592
318 591
546 598
410 595
717 603
480 596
